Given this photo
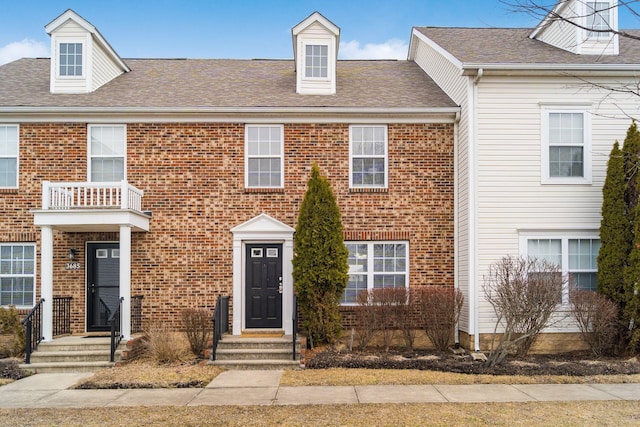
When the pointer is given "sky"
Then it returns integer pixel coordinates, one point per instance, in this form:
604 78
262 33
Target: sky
246 29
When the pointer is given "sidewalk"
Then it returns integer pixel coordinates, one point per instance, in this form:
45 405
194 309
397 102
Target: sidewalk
263 388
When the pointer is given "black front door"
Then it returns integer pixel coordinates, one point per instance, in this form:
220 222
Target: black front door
103 284
264 286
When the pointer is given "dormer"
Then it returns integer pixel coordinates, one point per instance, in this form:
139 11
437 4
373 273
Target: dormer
81 59
315 52
581 27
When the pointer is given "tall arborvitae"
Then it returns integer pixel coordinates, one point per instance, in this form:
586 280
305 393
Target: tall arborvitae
630 307
320 267
631 154
615 231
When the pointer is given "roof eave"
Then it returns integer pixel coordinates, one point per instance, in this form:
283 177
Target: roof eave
472 68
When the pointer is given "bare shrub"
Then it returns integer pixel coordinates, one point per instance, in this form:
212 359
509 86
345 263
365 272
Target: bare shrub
366 315
439 309
164 345
524 293
597 318
197 327
406 319
12 339
387 301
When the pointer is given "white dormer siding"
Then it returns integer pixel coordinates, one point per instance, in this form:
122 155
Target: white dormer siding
81 59
570 32
315 42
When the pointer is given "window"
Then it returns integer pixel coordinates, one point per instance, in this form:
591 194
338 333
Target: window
576 257
598 18
70 59
566 147
264 163
17 274
8 156
107 148
374 265
316 61
368 156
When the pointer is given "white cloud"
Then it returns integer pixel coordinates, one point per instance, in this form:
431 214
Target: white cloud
391 49
26 48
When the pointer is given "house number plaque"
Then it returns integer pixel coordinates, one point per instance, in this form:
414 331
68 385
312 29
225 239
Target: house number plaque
72 266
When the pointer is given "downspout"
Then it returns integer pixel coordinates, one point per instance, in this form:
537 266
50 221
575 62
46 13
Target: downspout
473 162
456 241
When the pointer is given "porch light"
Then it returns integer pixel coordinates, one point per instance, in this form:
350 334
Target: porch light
72 253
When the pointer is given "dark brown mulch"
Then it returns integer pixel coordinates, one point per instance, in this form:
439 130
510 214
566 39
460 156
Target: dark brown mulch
575 364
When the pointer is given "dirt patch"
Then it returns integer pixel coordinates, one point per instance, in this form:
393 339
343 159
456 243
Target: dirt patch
574 364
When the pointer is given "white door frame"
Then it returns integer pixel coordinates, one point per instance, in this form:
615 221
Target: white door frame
262 229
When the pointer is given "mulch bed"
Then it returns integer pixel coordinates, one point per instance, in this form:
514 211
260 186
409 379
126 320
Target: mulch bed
575 364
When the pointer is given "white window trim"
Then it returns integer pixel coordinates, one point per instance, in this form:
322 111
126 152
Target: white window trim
564 245
316 42
544 146
386 157
17 154
246 155
598 36
370 271
83 42
35 271
90 156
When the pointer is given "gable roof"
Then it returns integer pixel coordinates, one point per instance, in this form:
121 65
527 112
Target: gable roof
208 84
512 48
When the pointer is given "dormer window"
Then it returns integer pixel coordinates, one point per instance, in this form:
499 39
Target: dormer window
70 60
316 61
598 19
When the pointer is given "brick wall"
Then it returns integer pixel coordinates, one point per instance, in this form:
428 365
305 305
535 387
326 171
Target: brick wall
193 179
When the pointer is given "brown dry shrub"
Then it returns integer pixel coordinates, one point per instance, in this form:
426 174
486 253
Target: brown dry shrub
164 345
366 315
439 310
12 335
198 328
597 318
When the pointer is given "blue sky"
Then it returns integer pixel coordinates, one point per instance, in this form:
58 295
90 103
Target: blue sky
245 28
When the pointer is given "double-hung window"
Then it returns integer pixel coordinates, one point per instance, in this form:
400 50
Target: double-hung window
8 156
264 162
598 18
376 265
70 60
107 153
368 156
566 146
17 274
575 255
316 61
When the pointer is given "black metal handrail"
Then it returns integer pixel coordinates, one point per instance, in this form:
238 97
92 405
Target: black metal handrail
136 314
61 315
114 322
220 322
33 330
294 318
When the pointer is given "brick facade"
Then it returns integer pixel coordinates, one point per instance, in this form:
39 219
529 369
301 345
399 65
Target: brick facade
193 179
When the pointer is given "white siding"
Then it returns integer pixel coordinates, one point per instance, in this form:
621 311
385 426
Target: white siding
561 34
69 32
103 69
316 34
448 77
510 196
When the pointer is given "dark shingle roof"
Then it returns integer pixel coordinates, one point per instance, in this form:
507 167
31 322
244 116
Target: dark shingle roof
513 46
196 83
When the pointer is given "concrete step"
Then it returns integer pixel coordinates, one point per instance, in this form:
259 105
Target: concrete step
257 364
78 344
253 354
60 367
73 356
229 341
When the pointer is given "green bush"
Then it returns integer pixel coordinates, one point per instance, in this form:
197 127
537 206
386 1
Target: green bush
11 333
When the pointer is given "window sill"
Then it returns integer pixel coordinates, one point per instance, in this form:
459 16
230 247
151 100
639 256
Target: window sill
566 181
368 190
263 190
8 191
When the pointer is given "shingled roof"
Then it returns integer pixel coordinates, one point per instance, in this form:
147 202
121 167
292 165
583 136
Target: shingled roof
213 83
513 46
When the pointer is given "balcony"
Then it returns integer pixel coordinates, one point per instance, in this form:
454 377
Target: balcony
91 206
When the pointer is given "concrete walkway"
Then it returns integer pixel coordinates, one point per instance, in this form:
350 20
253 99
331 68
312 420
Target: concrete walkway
263 388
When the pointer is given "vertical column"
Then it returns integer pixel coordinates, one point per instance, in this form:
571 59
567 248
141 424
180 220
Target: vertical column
238 295
46 281
288 291
125 280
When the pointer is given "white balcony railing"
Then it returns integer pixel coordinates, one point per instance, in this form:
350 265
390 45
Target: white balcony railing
97 195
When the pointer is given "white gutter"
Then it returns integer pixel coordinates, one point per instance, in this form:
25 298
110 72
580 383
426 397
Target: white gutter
473 204
456 216
471 66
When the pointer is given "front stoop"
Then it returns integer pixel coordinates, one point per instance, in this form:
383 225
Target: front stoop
73 354
241 352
